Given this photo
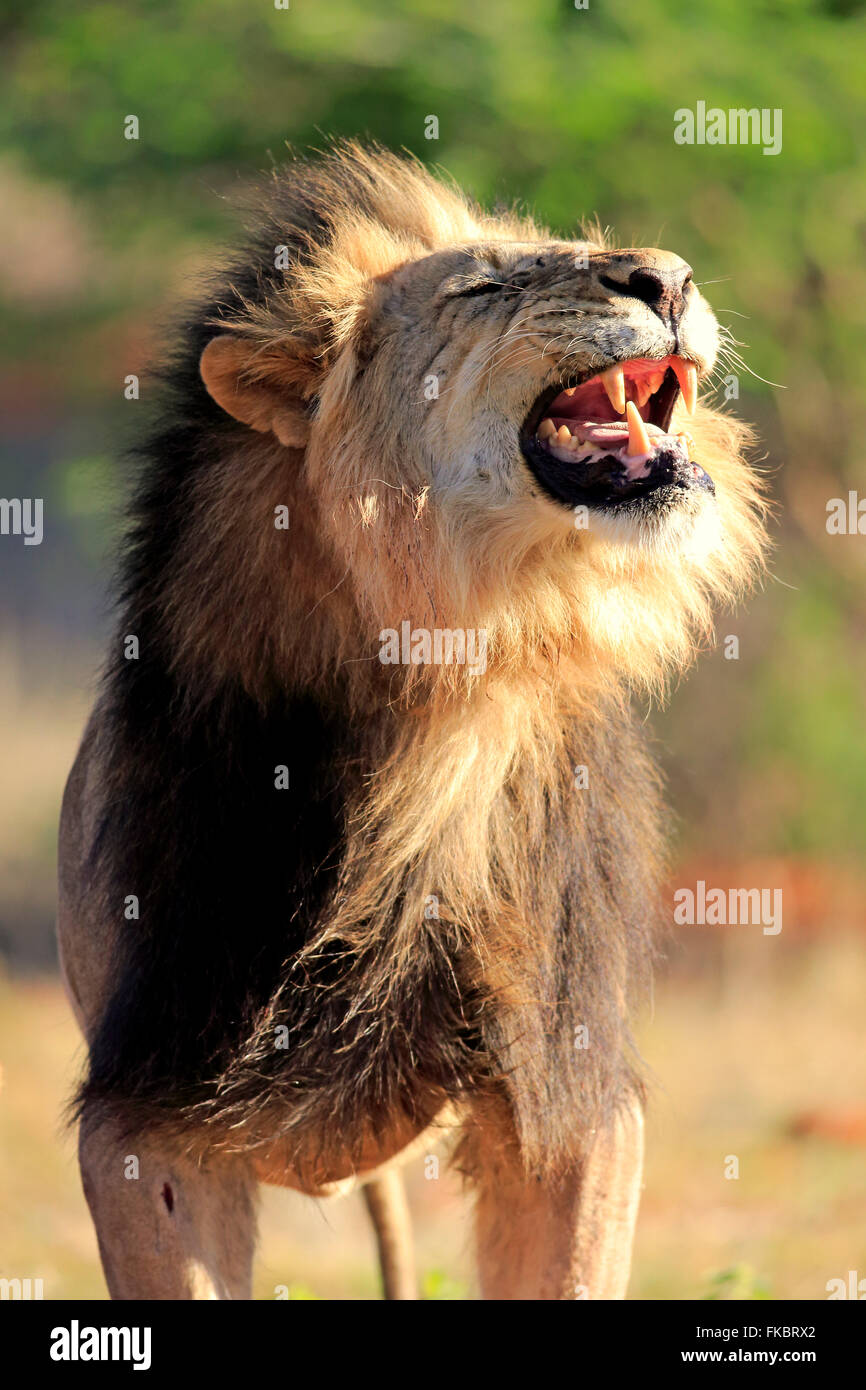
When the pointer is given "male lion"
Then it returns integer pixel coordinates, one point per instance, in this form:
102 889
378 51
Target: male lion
327 884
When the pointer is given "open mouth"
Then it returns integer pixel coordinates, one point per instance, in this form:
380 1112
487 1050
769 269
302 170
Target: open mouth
607 441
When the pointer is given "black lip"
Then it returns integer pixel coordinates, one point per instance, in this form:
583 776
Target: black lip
604 483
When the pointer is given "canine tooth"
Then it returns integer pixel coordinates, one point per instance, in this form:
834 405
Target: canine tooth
546 429
687 376
570 390
613 381
563 436
639 441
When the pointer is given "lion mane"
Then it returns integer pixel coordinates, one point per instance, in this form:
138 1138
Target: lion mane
428 910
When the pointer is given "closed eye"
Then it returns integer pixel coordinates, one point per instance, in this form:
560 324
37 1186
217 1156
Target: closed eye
480 287
464 286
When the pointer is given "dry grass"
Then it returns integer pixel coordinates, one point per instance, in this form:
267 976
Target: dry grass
44 730
736 1064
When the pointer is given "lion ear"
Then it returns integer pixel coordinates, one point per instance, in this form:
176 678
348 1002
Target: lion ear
260 388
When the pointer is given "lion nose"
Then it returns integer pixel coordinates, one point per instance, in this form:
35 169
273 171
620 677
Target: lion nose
657 278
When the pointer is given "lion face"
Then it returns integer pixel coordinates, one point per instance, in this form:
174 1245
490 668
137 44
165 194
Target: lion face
555 376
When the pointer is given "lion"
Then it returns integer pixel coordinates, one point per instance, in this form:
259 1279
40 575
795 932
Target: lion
362 845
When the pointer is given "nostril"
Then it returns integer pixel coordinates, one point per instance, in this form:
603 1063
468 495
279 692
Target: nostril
641 284
168 1196
646 285
660 292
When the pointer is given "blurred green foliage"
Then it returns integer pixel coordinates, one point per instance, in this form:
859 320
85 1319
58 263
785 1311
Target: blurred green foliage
737 1283
572 112
437 1286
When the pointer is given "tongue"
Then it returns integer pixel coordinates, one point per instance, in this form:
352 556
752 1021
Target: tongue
613 433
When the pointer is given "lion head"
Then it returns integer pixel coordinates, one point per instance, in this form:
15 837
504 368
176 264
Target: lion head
485 426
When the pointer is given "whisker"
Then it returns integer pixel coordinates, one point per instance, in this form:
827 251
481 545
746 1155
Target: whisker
490 357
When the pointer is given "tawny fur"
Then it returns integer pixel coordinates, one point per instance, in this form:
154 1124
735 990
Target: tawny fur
438 783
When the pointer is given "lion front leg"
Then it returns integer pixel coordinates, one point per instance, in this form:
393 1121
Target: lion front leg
563 1237
168 1228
